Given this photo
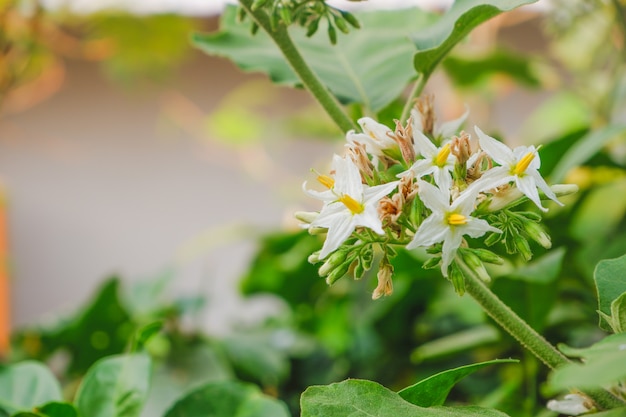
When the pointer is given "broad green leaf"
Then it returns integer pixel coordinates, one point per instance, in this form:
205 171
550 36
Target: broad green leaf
370 66
605 363
435 389
360 398
586 148
115 386
227 399
26 385
610 278
434 42
53 409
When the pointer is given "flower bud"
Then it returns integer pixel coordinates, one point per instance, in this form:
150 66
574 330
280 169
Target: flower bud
337 273
314 257
457 278
564 189
432 263
474 263
521 245
335 260
538 234
488 256
385 283
493 238
306 216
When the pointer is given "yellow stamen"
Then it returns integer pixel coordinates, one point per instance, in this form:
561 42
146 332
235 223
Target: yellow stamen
354 206
523 163
442 156
456 219
326 181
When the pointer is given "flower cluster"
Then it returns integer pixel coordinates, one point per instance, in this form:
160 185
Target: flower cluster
425 184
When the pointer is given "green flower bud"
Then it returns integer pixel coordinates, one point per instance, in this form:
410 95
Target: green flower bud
332 34
455 275
241 14
335 260
432 263
538 234
474 263
337 273
493 238
521 245
314 257
341 24
359 270
530 215
350 18
285 15
312 28
306 216
488 256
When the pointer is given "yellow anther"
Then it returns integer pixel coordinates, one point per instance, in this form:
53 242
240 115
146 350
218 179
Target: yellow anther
326 181
354 206
456 219
442 156
523 163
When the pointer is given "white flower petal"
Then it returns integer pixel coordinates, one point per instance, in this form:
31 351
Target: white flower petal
337 234
422 167
493 178
448 251
478 227
443 178
371 195
437 200
543 186
423 145
432 230
465 203
369 218
347 178
571 404
326 195
528 187
330 214
498 151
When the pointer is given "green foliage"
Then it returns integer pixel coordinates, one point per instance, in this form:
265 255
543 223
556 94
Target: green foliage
434 390
359 398
26 385
226 399
53 409
610 279
370 66
115 386
436 41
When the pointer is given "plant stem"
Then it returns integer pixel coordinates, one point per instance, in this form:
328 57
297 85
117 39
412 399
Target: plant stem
281 38
524 334
415 93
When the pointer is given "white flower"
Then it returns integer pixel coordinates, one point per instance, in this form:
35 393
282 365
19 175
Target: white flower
376 137
447 222
440 131
571 404
438 162
352 204
519 165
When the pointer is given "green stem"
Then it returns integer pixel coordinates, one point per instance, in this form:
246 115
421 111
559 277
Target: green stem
281 38
524 334
415 93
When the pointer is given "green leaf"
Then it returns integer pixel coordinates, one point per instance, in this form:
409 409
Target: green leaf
585 148
605 363
618 314
228 399
435 389
600 213
115 386
26 385
53 409
455 343
360 398
145 333
436 41
610 278
371 66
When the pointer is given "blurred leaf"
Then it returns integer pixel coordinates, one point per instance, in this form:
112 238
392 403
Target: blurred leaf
360 398
610 279
116 386
616 412
26 385
146 298
559 115
435 389
146 47
144 333
455 343
371 66
605 363
53 409
227 399
467 72
586 148
600 213
543 270
434 42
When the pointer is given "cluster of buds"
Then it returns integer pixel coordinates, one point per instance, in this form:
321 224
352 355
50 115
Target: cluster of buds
426 185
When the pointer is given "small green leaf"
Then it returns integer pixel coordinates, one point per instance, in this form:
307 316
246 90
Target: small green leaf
610 278
115 386
435 41
26 385
227 399
360 398
145 333
618 313
435 389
